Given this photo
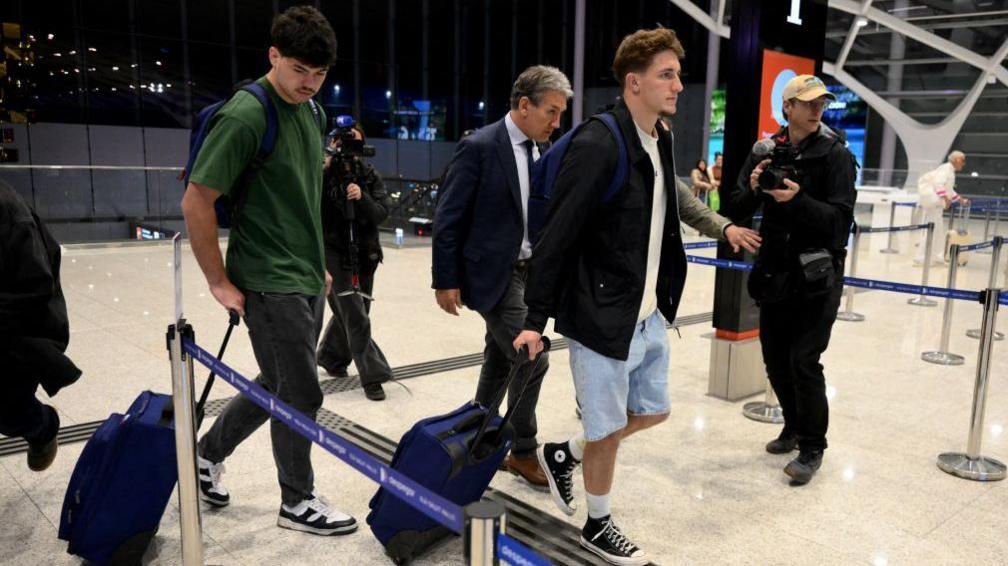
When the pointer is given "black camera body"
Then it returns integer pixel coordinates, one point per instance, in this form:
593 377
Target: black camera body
783 165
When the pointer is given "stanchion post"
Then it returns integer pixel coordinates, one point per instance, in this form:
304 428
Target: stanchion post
183 396
484 521
922 300
942 356
971 464
889 249
848 313
766 411
991 282
987 225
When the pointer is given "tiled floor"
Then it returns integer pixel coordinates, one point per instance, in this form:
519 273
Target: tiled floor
697 490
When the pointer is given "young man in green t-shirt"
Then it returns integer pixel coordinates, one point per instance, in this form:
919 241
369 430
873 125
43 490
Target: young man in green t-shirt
275 275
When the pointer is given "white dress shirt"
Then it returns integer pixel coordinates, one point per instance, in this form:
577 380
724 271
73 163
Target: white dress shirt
524 183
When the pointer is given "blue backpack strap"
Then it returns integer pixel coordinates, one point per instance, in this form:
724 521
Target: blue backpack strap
317 112
622 160
268 143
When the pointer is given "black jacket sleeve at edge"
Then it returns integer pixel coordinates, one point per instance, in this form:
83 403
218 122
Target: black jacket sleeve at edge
832 217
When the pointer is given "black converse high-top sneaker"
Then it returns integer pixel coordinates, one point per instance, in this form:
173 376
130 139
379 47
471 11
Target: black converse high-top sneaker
558 463
604 538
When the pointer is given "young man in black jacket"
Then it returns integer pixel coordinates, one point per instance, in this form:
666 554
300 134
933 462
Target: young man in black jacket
809 213
611 274
348 335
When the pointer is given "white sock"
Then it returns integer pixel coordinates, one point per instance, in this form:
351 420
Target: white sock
598 505
576 446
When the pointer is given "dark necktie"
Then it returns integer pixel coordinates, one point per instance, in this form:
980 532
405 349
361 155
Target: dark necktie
528 157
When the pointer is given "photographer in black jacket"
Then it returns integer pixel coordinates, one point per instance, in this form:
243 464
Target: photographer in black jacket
353 197
798 275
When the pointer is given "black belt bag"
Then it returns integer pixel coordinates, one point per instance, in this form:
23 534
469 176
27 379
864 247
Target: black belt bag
818 272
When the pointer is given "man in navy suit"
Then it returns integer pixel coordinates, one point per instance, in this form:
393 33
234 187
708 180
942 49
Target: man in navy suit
481 245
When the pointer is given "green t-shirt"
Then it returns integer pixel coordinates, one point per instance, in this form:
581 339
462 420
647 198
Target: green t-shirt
277 244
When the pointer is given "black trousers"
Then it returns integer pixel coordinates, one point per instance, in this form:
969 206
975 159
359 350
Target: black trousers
21 413
503 323
348 335
283 329
794 333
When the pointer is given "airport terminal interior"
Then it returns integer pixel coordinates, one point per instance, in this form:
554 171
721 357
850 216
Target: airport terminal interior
96 152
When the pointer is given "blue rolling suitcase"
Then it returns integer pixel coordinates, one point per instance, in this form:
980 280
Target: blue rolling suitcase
123 479
454 455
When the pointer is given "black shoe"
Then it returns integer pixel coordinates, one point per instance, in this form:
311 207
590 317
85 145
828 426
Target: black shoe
802 468
41 456
559 464
603 537
314 516
374 392
211 489
782 444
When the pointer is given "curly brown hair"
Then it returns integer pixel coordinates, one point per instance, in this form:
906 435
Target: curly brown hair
636 51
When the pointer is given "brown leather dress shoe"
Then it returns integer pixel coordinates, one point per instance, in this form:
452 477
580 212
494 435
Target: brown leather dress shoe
529 470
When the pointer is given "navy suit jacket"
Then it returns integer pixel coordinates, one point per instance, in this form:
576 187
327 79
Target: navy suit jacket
478 224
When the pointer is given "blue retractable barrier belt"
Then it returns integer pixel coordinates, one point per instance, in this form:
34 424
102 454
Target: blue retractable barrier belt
700 245
515 553
865 283
431 504
979 246
876 229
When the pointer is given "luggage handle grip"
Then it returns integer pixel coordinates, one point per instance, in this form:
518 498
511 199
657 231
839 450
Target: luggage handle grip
521 361
233 321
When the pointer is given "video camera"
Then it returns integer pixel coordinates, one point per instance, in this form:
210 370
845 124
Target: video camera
348 145
783 157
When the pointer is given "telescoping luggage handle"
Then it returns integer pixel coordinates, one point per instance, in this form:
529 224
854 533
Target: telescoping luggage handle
520 362
233 321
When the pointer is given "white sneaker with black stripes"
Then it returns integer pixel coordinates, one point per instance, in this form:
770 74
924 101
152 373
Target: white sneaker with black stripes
315 516
211 489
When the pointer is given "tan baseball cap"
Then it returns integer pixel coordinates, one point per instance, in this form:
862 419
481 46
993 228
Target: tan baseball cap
806 88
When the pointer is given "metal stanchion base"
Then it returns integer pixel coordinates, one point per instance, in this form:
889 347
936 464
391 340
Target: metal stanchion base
975 333
850 316
943 358
889 251
980 469
760 411
922 302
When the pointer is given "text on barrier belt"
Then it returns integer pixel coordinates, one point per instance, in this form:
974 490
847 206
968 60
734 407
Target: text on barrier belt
517 554
429 503
866 283
872 230
700 245
979 246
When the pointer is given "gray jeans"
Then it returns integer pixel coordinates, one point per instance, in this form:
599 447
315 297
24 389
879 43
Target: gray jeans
283 329
503 323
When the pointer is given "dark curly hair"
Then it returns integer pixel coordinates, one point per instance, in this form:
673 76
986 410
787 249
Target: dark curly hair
302 32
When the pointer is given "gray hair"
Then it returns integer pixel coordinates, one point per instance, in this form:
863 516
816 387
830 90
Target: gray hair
956 155
536 81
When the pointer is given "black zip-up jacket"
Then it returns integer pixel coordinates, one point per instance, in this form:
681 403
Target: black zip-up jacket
588 267
819 216
371 210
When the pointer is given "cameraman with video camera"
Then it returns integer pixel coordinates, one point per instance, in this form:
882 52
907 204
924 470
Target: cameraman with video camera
804 179
353 205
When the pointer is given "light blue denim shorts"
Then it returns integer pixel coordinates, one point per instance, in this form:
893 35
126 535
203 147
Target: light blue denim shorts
609 389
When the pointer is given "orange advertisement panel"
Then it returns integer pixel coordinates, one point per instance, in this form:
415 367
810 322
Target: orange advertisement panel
778 69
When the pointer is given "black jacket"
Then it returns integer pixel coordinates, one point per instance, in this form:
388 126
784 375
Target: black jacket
370 211
819 216
588 267
34 329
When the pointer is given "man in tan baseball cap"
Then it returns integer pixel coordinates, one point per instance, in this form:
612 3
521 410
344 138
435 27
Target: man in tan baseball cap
806 88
